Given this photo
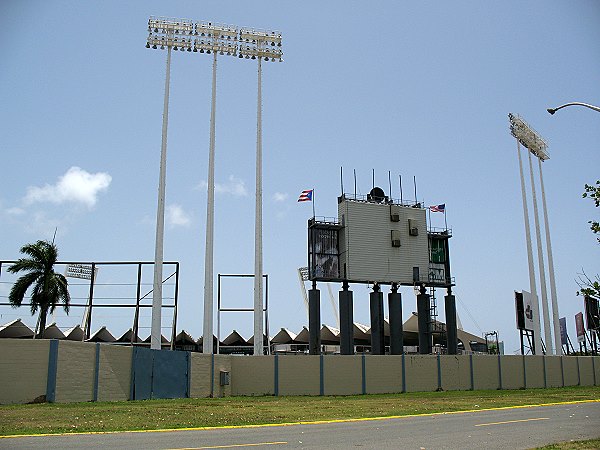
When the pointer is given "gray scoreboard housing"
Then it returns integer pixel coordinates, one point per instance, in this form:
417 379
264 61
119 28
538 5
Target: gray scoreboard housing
383 243
378 241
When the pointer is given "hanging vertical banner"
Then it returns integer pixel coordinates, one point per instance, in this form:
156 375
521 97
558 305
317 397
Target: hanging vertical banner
580 328
563 330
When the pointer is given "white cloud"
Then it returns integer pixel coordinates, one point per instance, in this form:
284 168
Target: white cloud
76 185
15 211
176 216
280 197
234 186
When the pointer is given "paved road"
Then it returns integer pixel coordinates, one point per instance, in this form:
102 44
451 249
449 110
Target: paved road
515 428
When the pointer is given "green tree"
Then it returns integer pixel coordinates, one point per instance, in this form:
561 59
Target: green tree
587 286
47 288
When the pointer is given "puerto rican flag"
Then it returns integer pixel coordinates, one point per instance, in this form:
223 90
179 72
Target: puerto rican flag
306 196
438 208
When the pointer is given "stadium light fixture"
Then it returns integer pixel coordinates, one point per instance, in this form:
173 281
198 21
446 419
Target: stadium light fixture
586 105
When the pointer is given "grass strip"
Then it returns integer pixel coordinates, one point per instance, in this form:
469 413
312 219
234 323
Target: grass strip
590 444
233 411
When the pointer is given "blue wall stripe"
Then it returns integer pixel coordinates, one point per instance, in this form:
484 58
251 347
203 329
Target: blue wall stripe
189 375
276 376
321 376
96 371
403 373
52 367
499 371
472 373
545 376
364 374
439 370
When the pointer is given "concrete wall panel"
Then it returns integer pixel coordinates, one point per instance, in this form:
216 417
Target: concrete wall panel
252 375
534 371
553 372
485 372
596 364
342 374
512 372
75 372
383 374
456 372
114 375
570 364
200 368
23 369
299 375
586 371
421 373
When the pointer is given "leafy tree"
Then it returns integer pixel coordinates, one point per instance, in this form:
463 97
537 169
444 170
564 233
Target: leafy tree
47 287
588 286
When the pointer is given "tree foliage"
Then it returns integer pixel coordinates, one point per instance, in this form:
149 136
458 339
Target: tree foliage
588 286
47 289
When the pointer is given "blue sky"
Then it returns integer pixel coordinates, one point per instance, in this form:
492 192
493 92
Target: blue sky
416 88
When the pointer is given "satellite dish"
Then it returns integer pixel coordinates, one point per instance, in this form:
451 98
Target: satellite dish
377 195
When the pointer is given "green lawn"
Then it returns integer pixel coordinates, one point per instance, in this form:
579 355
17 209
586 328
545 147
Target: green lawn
592 444
219 412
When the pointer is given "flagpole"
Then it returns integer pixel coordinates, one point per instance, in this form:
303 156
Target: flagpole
313 203
445 221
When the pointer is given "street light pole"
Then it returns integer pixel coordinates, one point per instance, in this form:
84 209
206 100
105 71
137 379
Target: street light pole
586 105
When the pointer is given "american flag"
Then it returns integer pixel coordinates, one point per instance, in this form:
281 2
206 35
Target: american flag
306 196
438 208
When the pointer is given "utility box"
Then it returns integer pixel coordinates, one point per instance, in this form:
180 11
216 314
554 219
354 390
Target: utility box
224 378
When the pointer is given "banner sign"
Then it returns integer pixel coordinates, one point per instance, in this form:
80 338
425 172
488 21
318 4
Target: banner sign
580 328
80 271
526 311
563 330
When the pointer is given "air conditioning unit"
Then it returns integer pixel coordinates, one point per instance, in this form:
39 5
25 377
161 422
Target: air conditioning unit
413 230
394 213
395 238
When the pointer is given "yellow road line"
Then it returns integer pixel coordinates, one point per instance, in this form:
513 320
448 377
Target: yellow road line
287 424
512 421
257 444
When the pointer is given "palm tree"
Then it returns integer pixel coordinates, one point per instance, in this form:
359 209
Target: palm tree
48 288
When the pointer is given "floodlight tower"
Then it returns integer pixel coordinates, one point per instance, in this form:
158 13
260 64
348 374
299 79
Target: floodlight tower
222 39
259 44
537 146
170 33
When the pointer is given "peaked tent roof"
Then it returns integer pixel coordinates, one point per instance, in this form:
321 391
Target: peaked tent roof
302 337
102 335
15 329
74 334
284 336
183 338
235 339
126 337
330 335
53 332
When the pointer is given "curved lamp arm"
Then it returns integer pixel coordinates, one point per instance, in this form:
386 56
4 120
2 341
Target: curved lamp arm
553 110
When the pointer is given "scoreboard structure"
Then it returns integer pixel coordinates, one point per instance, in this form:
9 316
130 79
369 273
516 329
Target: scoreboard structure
378 241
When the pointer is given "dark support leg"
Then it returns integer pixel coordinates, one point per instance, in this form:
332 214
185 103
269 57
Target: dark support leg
451 333
423 311
314 320
377 338
346 321
396 331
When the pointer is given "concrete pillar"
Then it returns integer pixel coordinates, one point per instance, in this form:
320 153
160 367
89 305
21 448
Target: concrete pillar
424 313
396 331
451 333
314 320
377 336
346 321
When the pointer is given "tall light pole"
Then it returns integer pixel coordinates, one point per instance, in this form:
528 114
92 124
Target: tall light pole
208 37
537 146
586 105
259 44
220 39
162 32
